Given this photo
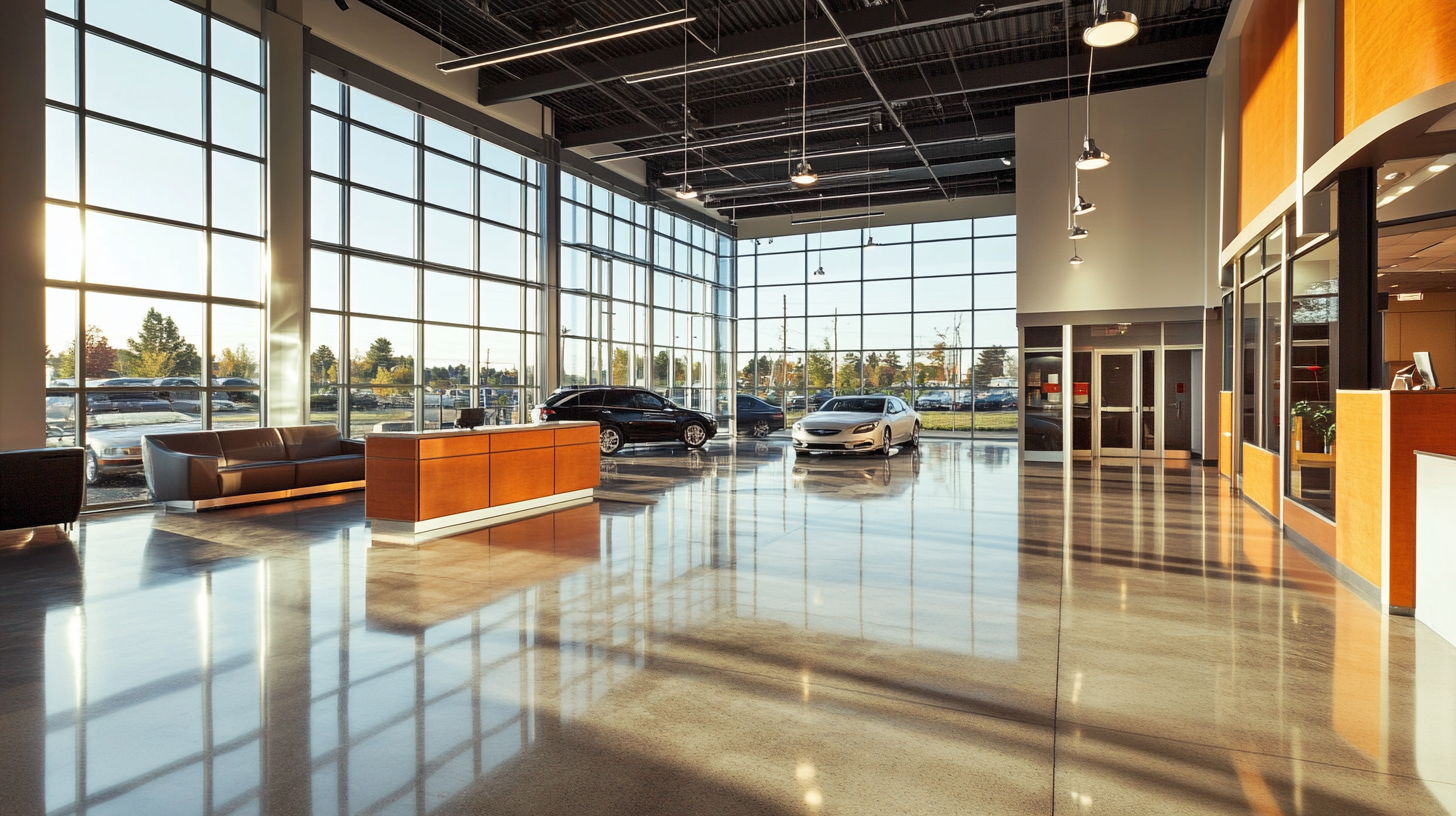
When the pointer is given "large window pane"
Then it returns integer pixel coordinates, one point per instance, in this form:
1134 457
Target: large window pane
447 297
63 176
153 338
60 62
162 24
501 251
237 268
382 288
130 84
326 212
237 117
237 52
943 258
144 254
61 337
63 243
237 354
1314 308
887 262
449 140
325 271
500 199
449 239
887 331
381 223
130 170
237 194
996 328
325 144
774 269
887 296
500 359
381 162
995 255
324 360
447 183
387 116
500 305
943 294
996 291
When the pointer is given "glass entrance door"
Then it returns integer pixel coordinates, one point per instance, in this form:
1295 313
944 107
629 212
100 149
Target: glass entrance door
1115 431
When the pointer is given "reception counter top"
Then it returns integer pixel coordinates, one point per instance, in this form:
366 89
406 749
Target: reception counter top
418 483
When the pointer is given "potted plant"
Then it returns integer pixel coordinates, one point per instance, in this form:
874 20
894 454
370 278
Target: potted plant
1319 418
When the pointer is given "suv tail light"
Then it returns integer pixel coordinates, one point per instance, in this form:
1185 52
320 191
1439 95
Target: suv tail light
547 412
779 415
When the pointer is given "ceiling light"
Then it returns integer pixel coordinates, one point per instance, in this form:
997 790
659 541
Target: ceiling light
821 219
1078 233
819 271
1386 200
788 52
870 244
780 159
898 191
804 175
1393 176
1405 189
1111 29
1093 157
1076 260
726 141
685 191
595 35
1083 207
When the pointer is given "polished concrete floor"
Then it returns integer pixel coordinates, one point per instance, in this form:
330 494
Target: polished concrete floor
728 631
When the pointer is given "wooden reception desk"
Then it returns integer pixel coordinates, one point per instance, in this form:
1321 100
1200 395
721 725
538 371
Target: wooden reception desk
419 483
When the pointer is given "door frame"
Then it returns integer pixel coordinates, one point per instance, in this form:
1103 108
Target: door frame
1134 410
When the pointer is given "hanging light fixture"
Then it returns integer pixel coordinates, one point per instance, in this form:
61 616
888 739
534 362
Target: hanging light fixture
685 191
1109 29
1078 233
1076 260
1083 207
1092 157
804 174
869 228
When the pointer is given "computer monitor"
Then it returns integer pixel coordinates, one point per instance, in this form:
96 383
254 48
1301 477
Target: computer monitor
470 418
1422 359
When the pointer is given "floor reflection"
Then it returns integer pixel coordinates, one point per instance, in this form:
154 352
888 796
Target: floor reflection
733 630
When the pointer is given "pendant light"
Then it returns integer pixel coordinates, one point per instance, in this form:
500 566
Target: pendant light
1111 29
1079 233
1092 158
1083 207
804 174
685 191
1076 260
869 228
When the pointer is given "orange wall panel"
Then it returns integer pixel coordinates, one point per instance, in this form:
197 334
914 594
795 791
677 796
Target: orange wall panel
1390 52
457 484
1359 493
522 475
1317 529
1261 478
391 488
578 467
523 440
466 444
392 447
1268 104
577 436
1419 421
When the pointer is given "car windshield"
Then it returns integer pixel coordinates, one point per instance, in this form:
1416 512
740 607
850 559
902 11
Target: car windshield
857 405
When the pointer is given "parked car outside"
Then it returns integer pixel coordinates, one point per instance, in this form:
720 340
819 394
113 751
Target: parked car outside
114 441
627 415
869 424
996 401
757 418
933 401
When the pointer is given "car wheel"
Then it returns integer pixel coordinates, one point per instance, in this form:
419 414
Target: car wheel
914 440
610 440
760 428
889 442
694 436
93 471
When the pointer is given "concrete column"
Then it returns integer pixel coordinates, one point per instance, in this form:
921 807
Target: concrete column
1232 121
286 390
22 226
1316 108
1361 348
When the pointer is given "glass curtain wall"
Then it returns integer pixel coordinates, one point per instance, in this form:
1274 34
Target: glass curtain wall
154 230
644 298
424 274
1314 306
1261 341
928 313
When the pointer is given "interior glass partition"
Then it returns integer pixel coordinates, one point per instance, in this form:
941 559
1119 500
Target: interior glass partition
1313 332
927 312
154 230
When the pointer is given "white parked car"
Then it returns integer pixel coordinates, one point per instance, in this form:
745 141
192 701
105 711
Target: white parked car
867 424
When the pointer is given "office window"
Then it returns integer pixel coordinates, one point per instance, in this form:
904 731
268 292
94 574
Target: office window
154 320
1314 287
1261 342
425 298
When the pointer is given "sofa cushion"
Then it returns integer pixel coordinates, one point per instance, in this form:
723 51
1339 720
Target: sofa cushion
330 470
311 441
249 445
259 477
198 443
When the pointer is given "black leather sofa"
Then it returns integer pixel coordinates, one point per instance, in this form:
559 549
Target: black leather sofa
207 469
41 486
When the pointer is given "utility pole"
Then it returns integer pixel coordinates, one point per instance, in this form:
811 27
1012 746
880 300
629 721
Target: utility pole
784 355
834 375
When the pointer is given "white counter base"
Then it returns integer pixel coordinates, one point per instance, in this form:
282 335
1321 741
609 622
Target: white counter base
404 532
1436 543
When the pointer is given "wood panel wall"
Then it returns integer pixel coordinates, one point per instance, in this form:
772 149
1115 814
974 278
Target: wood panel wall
1360 489
1268 104
1389 52
1261 478
1418 421
1226 433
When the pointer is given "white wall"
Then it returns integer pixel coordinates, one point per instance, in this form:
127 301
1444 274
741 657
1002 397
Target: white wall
1147 248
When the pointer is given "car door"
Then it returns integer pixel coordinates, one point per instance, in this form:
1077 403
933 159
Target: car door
899 419
658 419
620 408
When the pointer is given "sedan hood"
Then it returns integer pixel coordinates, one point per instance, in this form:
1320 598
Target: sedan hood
839 419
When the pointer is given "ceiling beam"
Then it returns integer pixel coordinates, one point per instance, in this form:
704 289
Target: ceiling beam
866 22
855 90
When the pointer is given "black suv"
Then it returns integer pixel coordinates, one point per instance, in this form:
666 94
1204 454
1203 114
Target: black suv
626 415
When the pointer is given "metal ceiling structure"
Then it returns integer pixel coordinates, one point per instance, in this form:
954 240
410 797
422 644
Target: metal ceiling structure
931 86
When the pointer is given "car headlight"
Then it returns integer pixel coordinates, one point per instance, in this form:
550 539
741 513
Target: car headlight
113 451
865 428
798 426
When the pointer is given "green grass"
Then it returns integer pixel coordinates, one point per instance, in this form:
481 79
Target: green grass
967 421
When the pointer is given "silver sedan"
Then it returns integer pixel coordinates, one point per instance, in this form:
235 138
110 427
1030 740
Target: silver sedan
858 425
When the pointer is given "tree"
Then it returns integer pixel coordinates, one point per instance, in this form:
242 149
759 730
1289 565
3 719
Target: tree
324 365
237 362
990 363
661 362
100 356
848 377
161 341
820 367
935 362
379 356
621 367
